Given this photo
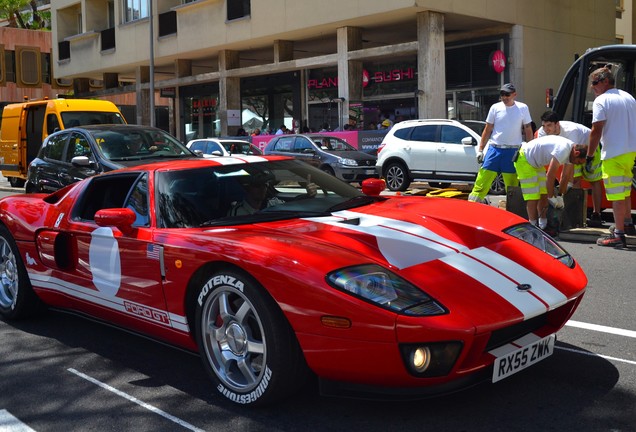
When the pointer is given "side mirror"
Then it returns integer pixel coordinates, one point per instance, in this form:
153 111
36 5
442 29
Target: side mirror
120 218
309 151
469 141
373 186
81 161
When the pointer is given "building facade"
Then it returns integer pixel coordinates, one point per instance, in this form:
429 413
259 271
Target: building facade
227 64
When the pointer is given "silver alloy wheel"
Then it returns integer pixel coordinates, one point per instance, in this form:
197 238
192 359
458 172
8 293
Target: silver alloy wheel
233 338
395 177
8 275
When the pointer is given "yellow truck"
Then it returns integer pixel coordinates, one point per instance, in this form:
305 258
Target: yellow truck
25 125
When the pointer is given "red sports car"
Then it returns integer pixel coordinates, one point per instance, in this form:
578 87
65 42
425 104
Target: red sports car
272 269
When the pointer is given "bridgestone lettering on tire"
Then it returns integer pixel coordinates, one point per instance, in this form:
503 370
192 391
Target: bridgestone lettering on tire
246 344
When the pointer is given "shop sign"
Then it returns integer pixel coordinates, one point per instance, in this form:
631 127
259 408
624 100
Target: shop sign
168 92
498 61
367 78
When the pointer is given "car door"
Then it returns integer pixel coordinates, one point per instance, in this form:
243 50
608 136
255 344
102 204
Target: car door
78 169
47 171
456 152
306 151
113 274
423 148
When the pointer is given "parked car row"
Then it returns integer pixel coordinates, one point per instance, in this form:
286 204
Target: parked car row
439 152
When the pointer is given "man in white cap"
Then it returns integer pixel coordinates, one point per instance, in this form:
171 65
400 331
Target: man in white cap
503 132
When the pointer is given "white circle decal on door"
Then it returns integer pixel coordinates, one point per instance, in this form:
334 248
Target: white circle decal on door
104 261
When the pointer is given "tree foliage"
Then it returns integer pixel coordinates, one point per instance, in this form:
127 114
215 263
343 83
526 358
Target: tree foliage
25 14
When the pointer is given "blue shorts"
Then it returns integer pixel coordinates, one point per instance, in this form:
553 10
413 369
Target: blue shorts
500 160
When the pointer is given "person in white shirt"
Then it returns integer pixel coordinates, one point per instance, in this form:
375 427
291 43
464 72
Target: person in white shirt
503 132
614 126
537 183
573 173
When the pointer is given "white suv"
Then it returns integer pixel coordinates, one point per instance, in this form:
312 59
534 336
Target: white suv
437 151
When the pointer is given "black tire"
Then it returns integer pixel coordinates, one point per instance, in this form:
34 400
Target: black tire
498 186
17 299
16 182
397 176
328 170
439 185
247 346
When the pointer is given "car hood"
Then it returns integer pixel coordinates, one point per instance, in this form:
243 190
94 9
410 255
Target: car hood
455 251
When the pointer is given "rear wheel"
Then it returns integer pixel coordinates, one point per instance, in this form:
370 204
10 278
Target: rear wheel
16 182
17 299
498 186
246 344
397 176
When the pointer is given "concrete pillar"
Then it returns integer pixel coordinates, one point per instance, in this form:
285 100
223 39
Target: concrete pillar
111 80
183 68
142 75
283 50
431 68
349 72
229 90
81 86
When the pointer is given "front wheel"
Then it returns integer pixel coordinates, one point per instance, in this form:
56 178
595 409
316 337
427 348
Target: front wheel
246 344
17 299
397 177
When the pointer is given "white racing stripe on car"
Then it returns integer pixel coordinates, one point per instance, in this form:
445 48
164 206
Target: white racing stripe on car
403 244
226 160
539 287
177 322
529 305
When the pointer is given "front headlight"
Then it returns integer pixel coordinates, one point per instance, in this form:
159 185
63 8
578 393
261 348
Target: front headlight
377 285
537 238
348 162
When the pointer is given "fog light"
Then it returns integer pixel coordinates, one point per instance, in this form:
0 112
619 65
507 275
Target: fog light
421 358
432 359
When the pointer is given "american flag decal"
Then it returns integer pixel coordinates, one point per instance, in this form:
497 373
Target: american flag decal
152 252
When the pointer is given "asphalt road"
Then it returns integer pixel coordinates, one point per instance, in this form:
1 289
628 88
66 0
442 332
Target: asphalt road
63 372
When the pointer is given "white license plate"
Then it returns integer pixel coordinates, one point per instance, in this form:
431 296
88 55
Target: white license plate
370 171
519 359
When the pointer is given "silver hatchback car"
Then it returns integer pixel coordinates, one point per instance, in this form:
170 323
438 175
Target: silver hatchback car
330 154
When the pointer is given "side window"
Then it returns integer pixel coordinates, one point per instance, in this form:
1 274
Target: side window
137 201
453 134
403 133
284 144
52 124
199 145
77 146
213 147
302 144
424 133
55 147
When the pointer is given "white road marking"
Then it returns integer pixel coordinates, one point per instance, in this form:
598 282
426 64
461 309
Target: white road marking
596 355
601 328
137 401
9 423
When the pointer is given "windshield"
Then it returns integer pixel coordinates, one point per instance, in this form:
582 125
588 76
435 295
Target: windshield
249 193
124 144
234 147
83 118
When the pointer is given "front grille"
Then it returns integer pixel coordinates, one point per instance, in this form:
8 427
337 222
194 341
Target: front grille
505 335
